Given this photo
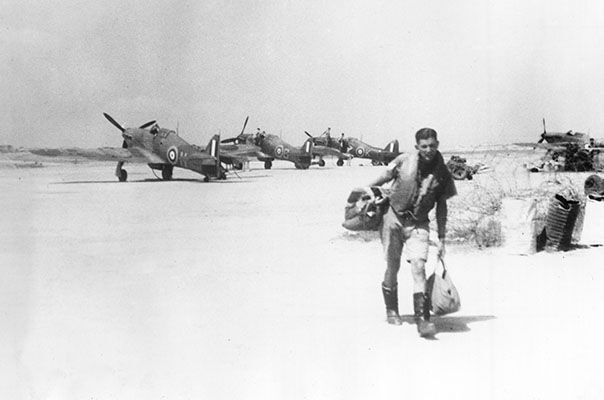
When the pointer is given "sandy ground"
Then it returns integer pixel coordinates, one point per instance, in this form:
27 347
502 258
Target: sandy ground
250 289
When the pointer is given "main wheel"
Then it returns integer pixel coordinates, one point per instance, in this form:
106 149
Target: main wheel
166 173
321 163
340 162
268 164
123 175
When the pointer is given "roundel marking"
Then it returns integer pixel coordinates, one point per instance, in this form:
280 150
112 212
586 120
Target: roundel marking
172 154
359 151
279 151
286 153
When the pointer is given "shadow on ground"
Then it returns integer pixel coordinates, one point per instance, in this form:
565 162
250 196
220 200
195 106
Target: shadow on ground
158 181
452 324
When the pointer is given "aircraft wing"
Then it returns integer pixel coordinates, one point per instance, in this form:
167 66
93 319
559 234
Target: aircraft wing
545 146
134 154
328 151
232 153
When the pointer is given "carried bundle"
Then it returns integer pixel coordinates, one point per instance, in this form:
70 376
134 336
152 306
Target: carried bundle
365 208
594 187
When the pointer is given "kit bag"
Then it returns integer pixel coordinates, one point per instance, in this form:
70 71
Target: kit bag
442 291
365 209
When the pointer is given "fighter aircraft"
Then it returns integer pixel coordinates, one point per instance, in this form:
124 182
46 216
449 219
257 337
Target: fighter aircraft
235 151
273 147
378 156
567 151
563 137
270 147
324 145
162 149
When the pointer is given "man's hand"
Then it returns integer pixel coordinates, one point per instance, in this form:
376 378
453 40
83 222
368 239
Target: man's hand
440 248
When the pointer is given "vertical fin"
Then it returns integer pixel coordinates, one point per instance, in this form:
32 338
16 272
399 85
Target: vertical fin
392 147
307 147
213 149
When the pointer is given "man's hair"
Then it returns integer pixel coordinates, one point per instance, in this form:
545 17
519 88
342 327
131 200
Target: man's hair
425 133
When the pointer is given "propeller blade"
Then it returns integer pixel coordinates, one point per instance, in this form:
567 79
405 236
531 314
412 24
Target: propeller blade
541 140
124 145
114 122
544 132
148 124
244 125
229 140
309 135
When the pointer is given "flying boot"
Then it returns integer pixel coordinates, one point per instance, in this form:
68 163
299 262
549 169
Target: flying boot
391 301
421 308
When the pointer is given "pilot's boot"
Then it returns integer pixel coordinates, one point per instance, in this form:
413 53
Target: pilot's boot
421 308
391 300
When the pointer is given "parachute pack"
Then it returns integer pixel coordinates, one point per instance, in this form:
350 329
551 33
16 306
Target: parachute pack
365 208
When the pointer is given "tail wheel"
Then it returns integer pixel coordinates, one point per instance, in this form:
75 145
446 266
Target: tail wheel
123 177
321 163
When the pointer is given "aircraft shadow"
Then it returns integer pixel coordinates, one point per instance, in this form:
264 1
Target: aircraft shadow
151 180
292 169
452 324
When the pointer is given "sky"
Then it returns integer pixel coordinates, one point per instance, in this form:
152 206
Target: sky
477 71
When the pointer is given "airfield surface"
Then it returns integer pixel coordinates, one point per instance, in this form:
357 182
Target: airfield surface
249 288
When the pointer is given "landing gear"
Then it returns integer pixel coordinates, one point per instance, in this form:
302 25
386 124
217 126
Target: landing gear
321 163
238 165
268 164
376 163
121 174
340 162
301 166
206 178
166 172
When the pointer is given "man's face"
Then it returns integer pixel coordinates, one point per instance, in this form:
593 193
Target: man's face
427 148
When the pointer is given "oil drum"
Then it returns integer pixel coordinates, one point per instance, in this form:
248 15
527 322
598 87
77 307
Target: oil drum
560 222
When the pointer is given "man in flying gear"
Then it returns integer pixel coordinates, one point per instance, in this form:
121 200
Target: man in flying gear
420 180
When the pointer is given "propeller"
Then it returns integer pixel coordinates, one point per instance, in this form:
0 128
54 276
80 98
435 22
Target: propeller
146 125
543 134
244 125
114 122
122 129
236 139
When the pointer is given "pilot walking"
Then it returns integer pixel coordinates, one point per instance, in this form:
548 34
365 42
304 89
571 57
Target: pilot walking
420 180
